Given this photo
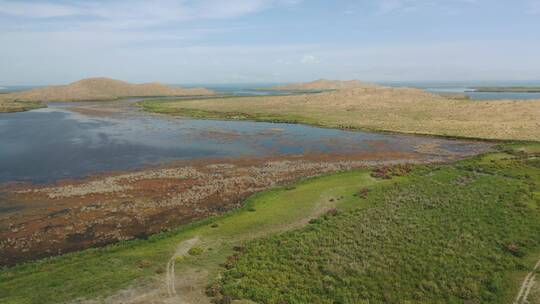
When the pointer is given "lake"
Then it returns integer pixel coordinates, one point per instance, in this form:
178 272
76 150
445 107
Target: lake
484 95
60 142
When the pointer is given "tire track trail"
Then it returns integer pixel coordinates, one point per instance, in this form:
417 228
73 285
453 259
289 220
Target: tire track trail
181 251
526 286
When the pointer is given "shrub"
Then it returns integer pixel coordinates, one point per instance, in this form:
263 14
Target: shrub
239 248
363 193
195 251
387 172
144 264
332 212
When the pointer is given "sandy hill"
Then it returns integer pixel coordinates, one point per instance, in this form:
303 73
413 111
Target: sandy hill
101 89
324 84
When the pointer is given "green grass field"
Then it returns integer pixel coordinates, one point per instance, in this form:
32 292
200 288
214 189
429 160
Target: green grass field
99 272
445 234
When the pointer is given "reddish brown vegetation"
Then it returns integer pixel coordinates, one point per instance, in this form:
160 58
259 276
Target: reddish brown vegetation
73 215
387 172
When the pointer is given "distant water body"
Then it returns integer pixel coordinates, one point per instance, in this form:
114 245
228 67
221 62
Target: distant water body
257 89
49 144
435 87
465 88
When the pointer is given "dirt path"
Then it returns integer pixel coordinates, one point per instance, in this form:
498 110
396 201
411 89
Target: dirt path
181 251
159 292
189 286
526 286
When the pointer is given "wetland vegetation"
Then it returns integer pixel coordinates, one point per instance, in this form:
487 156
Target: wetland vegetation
444 234
462 232
19 106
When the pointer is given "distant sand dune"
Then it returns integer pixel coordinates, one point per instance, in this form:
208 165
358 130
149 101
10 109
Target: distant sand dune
324 84
100 89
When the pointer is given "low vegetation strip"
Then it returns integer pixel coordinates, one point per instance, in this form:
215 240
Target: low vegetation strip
402 110
19 106
448 234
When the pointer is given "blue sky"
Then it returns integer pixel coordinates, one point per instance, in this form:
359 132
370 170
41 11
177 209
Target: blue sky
242 41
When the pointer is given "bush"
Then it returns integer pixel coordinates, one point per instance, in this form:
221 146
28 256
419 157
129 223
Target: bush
195 251
332 212
387 172
363 193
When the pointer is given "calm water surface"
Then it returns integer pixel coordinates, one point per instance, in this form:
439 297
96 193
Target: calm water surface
485 95
49 144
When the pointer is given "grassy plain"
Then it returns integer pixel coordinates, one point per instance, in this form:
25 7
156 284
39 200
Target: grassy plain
383 109
446 234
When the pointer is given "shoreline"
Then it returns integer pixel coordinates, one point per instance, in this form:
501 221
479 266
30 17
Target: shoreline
385 110
238 116
137 272
71 215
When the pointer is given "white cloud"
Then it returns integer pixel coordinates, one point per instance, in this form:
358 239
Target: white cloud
138 13
393 6
282 62
36 10
387 6
309 59
69 58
